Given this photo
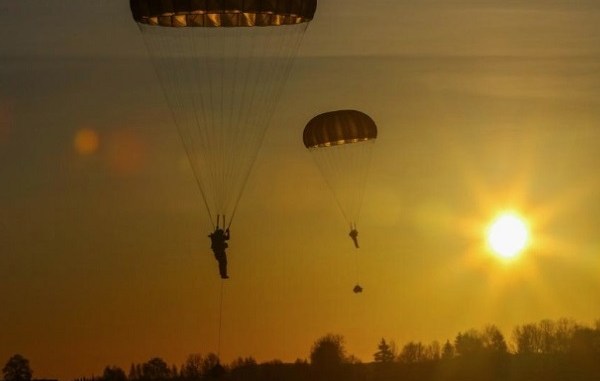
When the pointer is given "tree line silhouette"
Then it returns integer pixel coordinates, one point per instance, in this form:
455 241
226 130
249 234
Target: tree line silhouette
548 350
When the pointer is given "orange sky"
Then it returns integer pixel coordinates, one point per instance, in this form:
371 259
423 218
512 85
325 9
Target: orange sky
481 106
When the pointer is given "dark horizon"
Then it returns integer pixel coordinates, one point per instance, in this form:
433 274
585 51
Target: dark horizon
547 350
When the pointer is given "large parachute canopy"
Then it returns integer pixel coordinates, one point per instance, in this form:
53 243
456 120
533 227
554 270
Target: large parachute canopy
222 13
222 65
341 143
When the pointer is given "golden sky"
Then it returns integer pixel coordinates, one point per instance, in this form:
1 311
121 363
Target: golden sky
481 106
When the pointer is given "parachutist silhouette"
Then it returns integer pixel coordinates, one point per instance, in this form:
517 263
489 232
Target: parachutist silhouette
354 235
218 245
357 289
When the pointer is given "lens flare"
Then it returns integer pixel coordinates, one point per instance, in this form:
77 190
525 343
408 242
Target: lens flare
86 141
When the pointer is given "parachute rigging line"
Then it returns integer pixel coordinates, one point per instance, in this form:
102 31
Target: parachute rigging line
285 76
221 104
220 320
222 66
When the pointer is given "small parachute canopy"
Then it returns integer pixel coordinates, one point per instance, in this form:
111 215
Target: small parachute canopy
341 143
224 13
339 127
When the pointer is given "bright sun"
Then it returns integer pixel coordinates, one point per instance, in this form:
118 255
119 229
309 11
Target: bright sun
508 235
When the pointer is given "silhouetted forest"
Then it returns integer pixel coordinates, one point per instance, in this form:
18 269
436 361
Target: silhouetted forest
549 350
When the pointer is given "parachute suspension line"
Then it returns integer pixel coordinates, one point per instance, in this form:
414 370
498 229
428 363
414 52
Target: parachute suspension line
220 320
201 133
186 135
269 81
222 222
228 159
238 124
224 127
347 188
228 139
231 219
240 115
202 128
285 69
191 157
286 53
357 267
328 169
158 43
258 83
187 76
222 85
213 143
293 41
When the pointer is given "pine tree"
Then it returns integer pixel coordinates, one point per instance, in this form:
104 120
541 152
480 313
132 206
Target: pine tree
447 350
386 353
